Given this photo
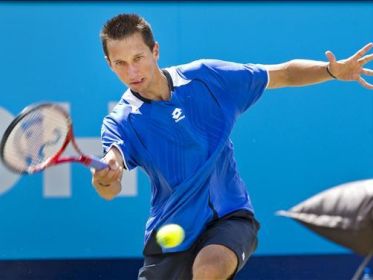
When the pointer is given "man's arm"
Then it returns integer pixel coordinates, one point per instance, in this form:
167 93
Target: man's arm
307 72
107 182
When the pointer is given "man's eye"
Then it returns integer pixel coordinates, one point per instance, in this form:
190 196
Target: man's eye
138 58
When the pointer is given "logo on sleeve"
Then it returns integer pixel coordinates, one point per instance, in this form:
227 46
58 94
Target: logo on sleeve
178 115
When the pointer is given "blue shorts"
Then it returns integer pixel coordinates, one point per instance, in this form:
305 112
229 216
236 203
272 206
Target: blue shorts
237 231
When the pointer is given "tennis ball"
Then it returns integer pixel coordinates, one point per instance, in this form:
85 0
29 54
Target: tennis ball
169 236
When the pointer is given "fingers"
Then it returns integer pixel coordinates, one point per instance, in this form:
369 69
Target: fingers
109 193
115 172
366 71
331 57
113 164
105 177
366 59
365 83
362 51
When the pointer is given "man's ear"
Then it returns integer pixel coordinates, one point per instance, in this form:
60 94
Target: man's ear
156 51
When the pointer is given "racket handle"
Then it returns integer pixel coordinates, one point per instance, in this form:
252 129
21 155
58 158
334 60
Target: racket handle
97 163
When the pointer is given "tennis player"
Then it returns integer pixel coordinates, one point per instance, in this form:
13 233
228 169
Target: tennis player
175 123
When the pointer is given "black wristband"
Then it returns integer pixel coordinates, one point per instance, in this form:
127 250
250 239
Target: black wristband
330 73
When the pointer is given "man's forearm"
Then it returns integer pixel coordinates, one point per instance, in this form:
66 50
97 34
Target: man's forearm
298 72
307 72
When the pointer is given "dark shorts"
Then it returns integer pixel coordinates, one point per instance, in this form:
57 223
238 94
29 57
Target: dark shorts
237 231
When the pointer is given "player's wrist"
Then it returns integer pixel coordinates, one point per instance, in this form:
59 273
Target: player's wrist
330 72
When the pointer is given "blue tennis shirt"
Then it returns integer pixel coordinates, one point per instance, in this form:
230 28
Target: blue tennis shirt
184 145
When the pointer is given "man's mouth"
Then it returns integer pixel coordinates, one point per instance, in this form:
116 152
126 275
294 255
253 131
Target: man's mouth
137 82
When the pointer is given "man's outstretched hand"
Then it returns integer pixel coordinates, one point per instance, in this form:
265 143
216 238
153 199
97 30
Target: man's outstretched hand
352 68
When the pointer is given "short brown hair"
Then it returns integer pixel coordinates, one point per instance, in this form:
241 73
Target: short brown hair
124 25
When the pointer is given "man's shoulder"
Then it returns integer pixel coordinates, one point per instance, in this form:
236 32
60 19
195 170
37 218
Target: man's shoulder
196 68
200 64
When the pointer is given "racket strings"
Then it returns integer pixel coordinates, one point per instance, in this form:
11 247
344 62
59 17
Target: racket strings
35 138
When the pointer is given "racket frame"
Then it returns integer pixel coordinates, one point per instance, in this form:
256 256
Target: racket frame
56 158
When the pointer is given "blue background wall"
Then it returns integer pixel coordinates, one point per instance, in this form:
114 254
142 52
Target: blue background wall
293 143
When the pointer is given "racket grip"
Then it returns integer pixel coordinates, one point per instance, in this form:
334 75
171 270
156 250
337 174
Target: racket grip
97 163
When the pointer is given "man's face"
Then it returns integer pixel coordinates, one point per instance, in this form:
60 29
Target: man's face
133 62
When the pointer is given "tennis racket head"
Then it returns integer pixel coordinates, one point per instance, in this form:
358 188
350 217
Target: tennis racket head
35 137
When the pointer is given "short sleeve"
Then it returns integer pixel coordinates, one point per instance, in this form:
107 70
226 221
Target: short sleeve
236 86
242 84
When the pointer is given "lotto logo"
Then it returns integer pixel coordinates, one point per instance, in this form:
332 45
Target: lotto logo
177 115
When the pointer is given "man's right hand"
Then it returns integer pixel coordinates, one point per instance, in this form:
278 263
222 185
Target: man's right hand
107 182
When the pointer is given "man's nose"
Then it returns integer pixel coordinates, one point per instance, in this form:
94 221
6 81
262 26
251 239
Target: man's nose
132 71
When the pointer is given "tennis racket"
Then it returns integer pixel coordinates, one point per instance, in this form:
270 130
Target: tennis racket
36 139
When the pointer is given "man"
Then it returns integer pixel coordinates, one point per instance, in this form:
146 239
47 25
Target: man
175 124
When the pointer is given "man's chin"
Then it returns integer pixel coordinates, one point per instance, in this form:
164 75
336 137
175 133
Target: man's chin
137 87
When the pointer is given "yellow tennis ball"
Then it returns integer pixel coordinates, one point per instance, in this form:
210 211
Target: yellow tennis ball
169 236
